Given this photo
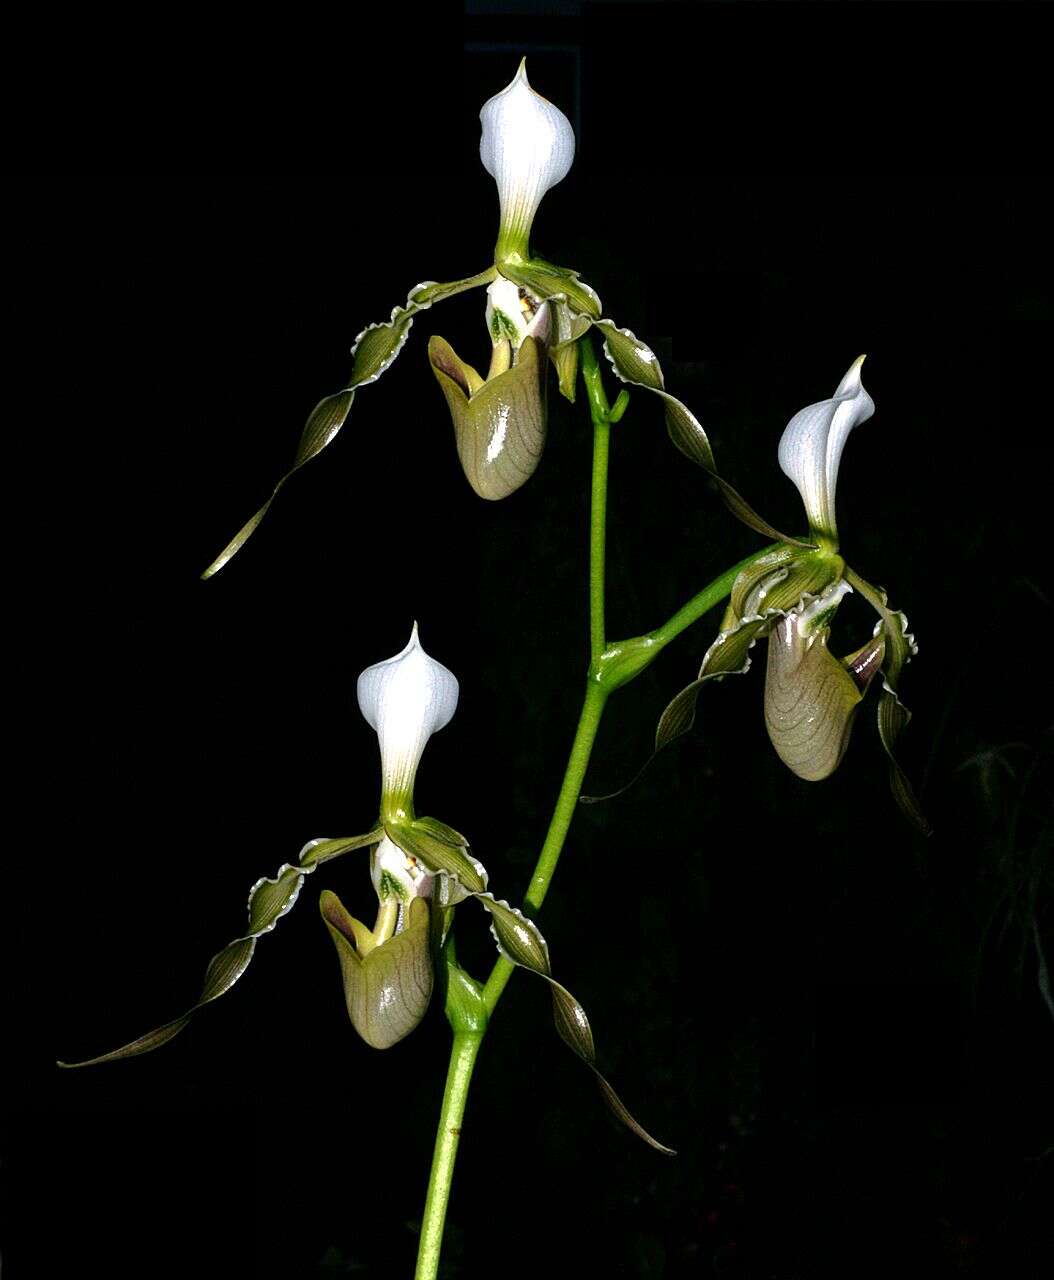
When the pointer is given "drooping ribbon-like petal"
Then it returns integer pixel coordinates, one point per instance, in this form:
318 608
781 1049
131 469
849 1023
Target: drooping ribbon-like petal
636 364
521 942
527 146
811 448
374 350
269 900
406 699
893 715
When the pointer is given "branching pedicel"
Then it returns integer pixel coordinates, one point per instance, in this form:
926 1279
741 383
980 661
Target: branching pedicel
421 868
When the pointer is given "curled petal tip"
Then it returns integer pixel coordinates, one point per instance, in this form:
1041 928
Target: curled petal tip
851 382
810 449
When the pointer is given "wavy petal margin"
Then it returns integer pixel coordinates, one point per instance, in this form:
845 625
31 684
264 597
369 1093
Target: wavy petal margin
893 715
636 364
269 900
555 284
442 851
374 350
520 941
576 306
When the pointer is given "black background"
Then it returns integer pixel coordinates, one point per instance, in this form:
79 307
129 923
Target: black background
838 1024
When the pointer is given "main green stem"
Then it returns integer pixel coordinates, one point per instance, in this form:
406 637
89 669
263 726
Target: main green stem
455 1095
467 1042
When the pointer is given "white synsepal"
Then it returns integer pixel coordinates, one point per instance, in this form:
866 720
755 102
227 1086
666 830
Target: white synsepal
812 443
406 699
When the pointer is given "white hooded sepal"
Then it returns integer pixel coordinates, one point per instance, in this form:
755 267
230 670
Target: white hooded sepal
405 699
527 146
810 449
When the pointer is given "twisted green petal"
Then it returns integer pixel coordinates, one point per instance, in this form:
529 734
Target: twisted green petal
269 900
521 942
374 350
893 715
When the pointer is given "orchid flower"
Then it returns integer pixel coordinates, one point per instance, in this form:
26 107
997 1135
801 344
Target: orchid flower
420 869
790 596
387 970
534 309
